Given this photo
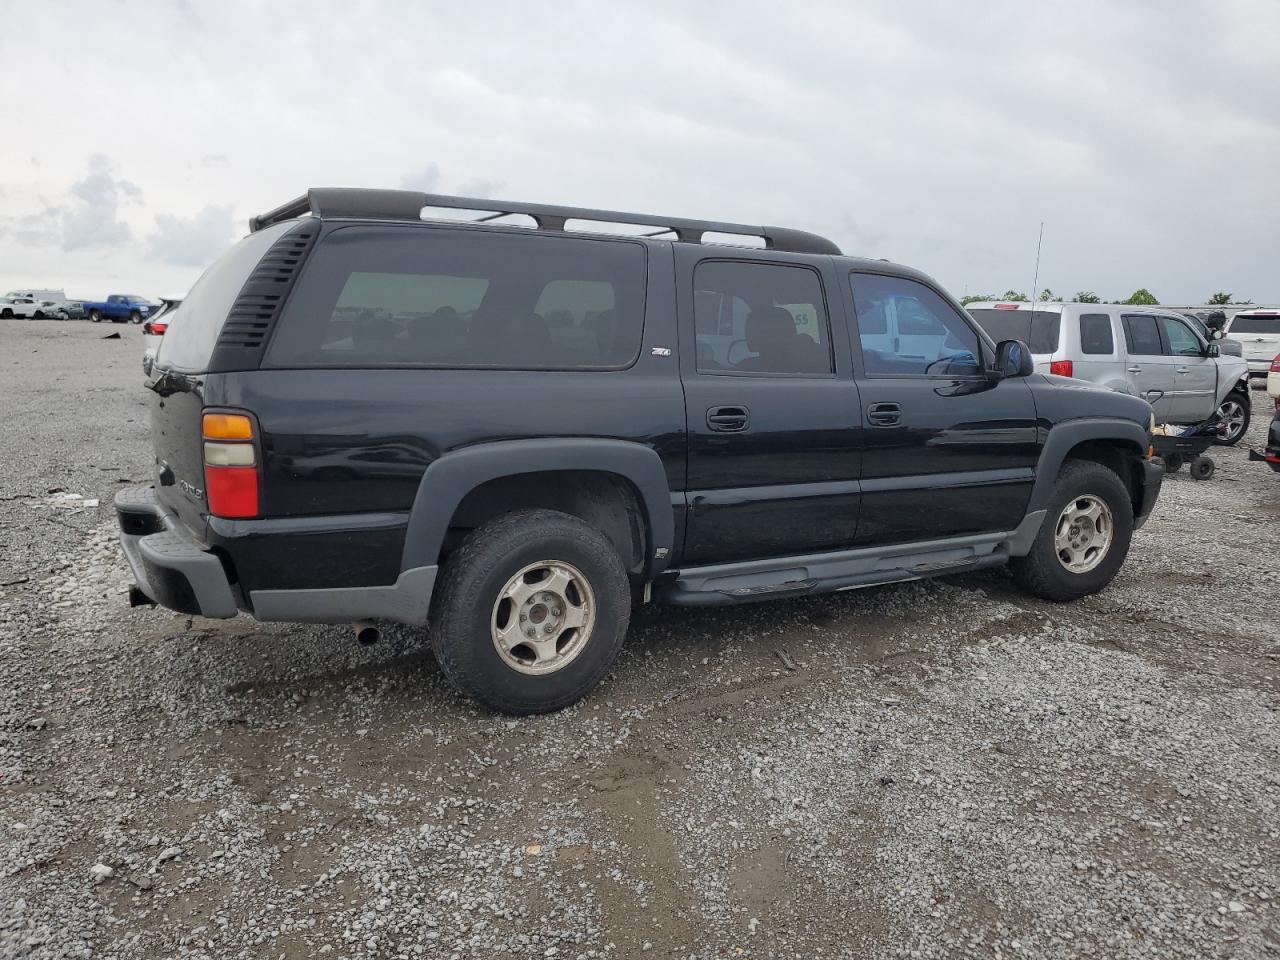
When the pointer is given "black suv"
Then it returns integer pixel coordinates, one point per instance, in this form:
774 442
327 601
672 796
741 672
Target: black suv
512 427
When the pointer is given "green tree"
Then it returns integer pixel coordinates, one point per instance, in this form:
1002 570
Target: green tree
1046 295
1086 296
1220 299
1014 295
976 298
1142 297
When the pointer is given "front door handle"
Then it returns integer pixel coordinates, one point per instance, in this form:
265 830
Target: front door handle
728 419
1179 369
1134 369
884 414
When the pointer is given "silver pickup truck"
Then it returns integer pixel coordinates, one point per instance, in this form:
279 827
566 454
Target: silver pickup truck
1144 351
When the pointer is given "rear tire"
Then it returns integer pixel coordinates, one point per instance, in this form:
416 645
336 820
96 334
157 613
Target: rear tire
1045 570
471 610
135 316
1235 411
6 314
95 316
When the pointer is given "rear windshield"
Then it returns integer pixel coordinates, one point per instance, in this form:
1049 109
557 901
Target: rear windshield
1038 329
410 296
1256 325
189 347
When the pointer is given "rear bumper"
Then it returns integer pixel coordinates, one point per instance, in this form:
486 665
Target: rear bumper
1151 477
172 568
168 564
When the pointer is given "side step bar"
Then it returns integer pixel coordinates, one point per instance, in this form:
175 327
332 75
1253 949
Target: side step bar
843 570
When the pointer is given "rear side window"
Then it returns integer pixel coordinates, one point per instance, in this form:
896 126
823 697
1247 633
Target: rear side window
755 317
1038 329
1141 336
1095 334
189 347
409 296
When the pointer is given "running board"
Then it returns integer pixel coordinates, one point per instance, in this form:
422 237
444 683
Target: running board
823 573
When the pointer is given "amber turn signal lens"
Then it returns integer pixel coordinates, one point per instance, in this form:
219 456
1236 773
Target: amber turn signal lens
227 426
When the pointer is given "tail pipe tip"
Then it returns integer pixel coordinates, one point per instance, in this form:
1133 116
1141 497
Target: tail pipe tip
366 633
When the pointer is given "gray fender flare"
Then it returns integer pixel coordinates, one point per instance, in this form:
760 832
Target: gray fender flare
451 477
1064 436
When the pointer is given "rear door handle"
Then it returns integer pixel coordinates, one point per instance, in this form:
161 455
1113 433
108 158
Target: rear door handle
1134 369
1179 369
884 414
728 419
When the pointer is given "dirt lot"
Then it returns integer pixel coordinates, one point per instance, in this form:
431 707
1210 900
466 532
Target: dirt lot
941 769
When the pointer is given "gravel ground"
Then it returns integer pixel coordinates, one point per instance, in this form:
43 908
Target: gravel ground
942 769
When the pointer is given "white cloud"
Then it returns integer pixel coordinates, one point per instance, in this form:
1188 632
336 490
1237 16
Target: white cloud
91 216
191 241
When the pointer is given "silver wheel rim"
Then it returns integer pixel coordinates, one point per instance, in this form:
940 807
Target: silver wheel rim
1232 414
543 617
1083 534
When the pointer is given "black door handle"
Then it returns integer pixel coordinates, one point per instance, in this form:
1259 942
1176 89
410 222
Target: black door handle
728 419
884 414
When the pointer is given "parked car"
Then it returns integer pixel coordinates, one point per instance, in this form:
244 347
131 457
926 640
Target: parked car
1209 325
155 328
120 307
1143 351
1271 455
22 307
51 295
569 423
1273 379
1259 332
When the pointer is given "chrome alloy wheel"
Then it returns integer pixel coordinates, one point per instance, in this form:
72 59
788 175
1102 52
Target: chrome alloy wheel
1231 413
543 617
1084 533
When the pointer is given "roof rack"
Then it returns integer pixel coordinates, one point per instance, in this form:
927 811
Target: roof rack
408 205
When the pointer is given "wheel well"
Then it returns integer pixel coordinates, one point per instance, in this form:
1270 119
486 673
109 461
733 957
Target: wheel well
606 501
1121 458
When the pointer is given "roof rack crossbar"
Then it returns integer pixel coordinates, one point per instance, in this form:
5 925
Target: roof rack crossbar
408 205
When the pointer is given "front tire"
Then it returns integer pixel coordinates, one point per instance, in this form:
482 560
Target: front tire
530 612
1085 536
135 316
1234 412
95 316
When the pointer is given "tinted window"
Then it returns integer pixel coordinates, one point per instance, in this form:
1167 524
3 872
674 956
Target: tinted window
906 329
1182 342
1141 336
1038 329
455 298
189 347
1269 325
760 318
1095 334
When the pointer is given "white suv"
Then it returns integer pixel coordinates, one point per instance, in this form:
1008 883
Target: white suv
1144 351
1258 332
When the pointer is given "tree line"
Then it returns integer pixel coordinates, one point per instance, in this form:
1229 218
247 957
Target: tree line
1140 297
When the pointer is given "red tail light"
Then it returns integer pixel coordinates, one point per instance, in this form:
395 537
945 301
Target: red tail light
1275 364
1061 368
157 328
231 469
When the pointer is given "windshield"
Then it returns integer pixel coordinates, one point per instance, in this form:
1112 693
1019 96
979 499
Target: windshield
1038 329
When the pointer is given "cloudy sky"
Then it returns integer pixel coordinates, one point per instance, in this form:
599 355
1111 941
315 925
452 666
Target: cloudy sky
141 136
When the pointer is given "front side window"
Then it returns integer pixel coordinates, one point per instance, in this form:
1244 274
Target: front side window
908 330
1141 336
1095 334
753 317
400 296
1182 342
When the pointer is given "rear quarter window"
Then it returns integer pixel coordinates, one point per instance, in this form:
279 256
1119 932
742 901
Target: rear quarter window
189 347
1096 336
1038 329
416 296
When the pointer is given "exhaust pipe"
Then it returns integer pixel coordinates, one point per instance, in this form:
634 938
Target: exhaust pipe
366 633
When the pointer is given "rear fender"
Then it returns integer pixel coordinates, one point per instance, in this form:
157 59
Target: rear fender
450 478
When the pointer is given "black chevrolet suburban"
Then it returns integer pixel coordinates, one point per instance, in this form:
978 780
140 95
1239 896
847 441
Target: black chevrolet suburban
511 422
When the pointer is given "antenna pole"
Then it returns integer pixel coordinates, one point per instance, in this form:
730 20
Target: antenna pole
1036 280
